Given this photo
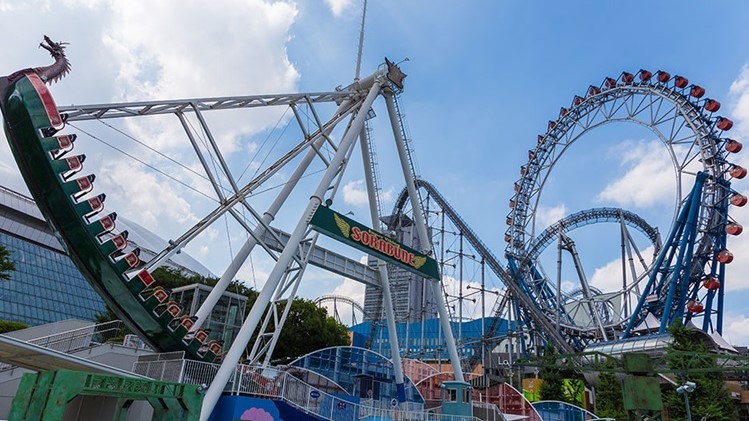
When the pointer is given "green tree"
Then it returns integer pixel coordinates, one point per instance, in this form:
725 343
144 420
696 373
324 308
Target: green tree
8 326
609 400
308 328
552 387
6 265
173 278
710 400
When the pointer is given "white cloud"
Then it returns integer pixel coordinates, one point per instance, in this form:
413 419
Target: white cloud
354 193
649 178
736 278
736 329
568 286
387 196
739 94
7 6
545 216
89 4
140 193
338 6
350 289
608 278
168 55
141 50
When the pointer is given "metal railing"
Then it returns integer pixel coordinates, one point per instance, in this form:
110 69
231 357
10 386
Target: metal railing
272 383
78 339
168 366
488 411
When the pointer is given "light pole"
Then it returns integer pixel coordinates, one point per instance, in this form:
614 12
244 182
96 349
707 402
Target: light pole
685 389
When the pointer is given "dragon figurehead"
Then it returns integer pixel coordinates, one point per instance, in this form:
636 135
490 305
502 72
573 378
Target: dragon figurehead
60 67
48 74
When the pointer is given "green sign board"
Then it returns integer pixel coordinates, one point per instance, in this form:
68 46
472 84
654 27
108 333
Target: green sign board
366 239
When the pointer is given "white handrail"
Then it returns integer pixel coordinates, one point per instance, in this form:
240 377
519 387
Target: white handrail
75 339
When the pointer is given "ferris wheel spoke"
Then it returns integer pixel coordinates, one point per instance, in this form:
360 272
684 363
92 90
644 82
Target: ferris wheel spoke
670 114
640 104
656 103
676 127
610 108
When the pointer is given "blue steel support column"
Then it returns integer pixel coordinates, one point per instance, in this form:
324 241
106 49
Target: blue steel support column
657 265
722 266
290 250
685 246
721 294
383 272
687 262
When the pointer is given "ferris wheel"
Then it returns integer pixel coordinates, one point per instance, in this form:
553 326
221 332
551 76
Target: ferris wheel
687 278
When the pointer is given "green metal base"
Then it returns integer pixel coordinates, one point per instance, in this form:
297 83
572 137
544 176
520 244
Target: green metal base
44 396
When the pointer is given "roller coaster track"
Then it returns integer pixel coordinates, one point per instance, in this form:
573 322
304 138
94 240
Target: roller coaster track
527 268
343 299
589 216
535 314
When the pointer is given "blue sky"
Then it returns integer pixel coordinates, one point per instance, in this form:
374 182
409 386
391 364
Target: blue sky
484 78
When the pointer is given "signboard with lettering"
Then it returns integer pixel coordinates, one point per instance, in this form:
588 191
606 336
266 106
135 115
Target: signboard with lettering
348 231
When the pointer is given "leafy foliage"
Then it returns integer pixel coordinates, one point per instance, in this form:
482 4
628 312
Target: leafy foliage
173 278
574 390
710 399
308 328
8 326
6 265
609 400
552 387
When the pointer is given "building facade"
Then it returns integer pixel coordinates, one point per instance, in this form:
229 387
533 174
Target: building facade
425 340
412 298
46 286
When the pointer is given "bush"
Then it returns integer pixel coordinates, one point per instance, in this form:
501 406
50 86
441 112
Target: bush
8 326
